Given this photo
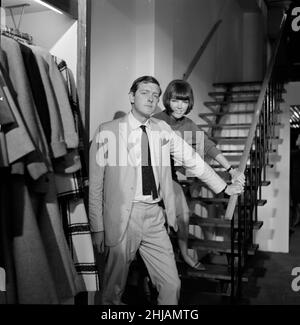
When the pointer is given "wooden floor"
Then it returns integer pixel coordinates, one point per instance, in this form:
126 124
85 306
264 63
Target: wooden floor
269 283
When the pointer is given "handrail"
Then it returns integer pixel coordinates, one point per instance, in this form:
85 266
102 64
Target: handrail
201 50
258 107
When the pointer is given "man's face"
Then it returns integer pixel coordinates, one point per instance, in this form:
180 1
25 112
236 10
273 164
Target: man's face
144 100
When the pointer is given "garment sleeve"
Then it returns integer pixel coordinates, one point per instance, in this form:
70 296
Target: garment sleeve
184 154
97 163
71 135
210 148
6 115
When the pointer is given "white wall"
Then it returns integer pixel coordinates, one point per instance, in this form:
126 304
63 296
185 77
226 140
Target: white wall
130 38
253 47
222 59
66 47
164 43
274 234
113 58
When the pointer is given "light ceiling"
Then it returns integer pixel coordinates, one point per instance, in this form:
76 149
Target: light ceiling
33 6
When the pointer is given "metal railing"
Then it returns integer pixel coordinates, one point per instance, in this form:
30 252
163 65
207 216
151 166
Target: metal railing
254 161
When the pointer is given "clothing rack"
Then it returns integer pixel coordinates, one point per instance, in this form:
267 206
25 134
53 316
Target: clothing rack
10 8
10 32
15 32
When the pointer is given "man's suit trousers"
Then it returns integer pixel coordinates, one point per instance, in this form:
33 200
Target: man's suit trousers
145 232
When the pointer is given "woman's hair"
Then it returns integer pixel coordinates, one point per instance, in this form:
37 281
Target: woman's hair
178 89
144 79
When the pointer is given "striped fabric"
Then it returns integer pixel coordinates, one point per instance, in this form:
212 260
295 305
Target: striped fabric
77 229
72 189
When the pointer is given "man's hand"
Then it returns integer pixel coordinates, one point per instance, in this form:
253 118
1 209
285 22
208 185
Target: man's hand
236 175
98 241
234 188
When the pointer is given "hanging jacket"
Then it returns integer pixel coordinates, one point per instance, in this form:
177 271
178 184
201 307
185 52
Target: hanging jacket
39 163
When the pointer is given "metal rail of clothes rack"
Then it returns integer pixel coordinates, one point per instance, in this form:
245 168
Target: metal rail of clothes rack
15 32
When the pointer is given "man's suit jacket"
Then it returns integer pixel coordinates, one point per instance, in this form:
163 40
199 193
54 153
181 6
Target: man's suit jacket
112 183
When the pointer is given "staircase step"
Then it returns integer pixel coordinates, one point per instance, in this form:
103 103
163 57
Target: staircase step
232 93
226 126
226 113
220 246
241 140
273 157
227 102
203 115
217 222
230 126
215 200
216 272
209 290
232 151
229 140
191 180
269 165
237 84
218 168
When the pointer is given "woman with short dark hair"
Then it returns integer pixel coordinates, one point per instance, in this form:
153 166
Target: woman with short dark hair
178 100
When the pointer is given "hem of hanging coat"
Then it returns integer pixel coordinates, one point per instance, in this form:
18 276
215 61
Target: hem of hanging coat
68 164
59 148
72 140
37 169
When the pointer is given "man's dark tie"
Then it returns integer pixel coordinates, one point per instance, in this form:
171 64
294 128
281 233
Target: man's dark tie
148 180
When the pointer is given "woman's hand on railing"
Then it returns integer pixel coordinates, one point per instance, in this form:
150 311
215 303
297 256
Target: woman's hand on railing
234 188
237 176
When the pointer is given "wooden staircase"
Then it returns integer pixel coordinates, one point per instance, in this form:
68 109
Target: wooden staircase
242 119
228 122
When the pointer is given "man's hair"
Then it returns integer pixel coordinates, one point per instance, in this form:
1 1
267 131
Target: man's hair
178 89
143 79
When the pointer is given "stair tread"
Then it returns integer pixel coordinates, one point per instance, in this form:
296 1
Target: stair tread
235 125
251 111
273 157
217 222
232 101
190 180
265 183
234 92
227 113
243 137
231 92
234 141
260 202
232 150
221 246
219 168
217 272
227 125
238 83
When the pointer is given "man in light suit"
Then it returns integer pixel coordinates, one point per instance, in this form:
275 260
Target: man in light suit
126 191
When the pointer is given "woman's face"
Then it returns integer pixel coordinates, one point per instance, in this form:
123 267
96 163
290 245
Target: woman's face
178 107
